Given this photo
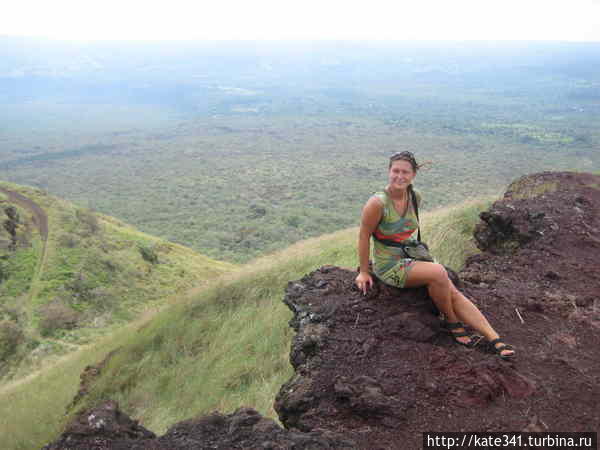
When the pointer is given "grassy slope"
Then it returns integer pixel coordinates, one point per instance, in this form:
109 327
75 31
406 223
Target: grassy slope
93 271
225 347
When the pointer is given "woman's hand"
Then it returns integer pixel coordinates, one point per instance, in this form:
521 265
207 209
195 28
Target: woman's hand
364 281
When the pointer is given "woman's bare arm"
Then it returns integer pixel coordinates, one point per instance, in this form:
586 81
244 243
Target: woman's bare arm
371 215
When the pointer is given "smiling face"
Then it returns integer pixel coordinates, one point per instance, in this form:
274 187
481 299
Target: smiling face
401 175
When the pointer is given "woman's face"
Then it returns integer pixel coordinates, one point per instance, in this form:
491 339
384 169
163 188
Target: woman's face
401 174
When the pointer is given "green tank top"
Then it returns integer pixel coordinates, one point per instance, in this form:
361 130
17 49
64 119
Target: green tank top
395 227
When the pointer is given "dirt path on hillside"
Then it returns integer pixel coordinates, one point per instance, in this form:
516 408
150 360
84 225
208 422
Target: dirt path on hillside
40 218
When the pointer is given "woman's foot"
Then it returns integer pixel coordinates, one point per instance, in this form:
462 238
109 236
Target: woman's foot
504 351
460 335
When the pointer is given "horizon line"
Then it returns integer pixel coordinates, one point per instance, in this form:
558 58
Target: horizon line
290 40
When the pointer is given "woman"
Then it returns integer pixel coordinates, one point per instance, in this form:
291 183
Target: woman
390 215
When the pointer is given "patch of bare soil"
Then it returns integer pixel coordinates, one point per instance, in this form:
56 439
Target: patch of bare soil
379 370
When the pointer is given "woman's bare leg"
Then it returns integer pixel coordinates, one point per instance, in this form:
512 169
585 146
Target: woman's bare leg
468 313
450 300
434 276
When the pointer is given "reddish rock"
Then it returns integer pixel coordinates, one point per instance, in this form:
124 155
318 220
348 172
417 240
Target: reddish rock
380 369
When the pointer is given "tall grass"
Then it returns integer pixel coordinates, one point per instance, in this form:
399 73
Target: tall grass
449 231
223 348
91 270
32 412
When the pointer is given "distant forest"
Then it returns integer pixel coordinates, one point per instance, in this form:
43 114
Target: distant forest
241 148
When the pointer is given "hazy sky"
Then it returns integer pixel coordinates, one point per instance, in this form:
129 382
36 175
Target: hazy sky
574 20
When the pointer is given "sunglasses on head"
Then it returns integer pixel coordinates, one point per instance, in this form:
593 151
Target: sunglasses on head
404 154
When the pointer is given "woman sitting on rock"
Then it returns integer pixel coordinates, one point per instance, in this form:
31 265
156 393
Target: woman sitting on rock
390 216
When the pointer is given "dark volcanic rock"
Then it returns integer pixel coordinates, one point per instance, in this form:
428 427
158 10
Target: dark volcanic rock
100 428
507 227
379 367
247 429
105 427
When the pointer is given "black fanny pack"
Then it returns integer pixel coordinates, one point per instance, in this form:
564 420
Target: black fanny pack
411 249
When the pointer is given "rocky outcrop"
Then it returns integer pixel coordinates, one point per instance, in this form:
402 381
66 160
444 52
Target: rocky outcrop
105 427
87 379
531 209
379 370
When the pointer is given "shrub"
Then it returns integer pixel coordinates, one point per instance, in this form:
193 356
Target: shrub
11 313
10 337
68 240
110 264
257 211
4 271
12 213
56 316
88 221
101 298
148 253
80 286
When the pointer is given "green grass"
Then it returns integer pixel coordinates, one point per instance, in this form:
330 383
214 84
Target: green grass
449 231
222 348
33 410
528 188
20 271
94 269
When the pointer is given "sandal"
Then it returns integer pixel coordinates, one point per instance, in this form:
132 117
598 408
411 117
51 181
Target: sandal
473 339
498 350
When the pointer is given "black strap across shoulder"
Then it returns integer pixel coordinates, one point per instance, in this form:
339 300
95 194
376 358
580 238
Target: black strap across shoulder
416 207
